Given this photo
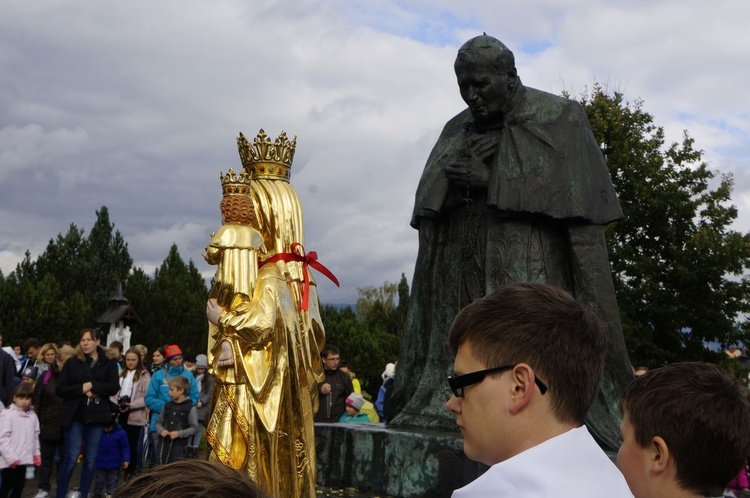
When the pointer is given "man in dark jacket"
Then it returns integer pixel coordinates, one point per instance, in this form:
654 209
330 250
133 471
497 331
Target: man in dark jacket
334 389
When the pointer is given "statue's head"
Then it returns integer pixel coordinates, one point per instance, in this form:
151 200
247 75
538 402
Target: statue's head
487 79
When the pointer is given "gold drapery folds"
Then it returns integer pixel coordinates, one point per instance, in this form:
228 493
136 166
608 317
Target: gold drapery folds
265 394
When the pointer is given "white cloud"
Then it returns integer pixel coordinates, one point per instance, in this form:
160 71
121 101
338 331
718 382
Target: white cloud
137 107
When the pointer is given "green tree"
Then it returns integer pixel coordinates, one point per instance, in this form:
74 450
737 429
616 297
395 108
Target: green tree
369 337
679 268
385 294
106 261
173 305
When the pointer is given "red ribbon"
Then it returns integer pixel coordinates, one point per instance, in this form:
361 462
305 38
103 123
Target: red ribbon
309 259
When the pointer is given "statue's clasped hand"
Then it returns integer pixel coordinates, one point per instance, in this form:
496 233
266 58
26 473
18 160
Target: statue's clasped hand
468 172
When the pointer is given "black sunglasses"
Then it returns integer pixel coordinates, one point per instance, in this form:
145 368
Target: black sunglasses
459 382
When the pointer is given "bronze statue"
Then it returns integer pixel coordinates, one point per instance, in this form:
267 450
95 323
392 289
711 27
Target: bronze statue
515 190
265 331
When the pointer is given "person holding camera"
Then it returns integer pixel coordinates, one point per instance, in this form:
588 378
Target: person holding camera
134 381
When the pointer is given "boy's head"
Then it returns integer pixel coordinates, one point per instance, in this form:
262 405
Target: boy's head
545 352
354 403
22 395
190 478
685 429
29 374
110 426
178 387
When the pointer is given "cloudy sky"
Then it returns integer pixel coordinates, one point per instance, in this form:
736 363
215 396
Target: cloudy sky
136 105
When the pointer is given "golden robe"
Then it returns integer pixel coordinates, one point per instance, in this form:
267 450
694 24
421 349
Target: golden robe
263 406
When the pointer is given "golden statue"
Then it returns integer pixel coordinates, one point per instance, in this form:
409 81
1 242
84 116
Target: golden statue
265 331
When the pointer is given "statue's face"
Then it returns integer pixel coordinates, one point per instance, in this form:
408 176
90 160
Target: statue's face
484 89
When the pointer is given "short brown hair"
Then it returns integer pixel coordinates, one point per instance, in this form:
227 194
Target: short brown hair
180 382
544 326
703 415
189 479
24 390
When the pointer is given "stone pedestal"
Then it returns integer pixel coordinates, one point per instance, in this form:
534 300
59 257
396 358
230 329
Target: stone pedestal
396 462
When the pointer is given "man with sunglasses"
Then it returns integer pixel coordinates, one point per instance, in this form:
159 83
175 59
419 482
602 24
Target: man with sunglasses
528 362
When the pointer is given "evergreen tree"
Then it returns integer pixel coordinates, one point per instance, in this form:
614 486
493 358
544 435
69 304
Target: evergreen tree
105 263
175 309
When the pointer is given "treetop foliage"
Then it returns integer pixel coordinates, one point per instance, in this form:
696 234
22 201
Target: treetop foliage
67 288
369 338
678 266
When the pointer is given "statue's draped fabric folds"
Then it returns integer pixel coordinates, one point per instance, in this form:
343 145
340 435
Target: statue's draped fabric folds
264 348
515 190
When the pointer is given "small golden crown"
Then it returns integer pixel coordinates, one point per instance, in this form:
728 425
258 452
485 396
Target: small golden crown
266 159
232 184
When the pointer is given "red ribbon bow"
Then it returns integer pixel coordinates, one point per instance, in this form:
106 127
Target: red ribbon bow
309 259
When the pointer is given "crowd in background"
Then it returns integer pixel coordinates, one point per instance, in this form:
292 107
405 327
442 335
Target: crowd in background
119 412
341 396
106 409
116 412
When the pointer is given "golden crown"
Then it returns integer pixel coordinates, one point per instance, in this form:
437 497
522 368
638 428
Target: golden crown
232 184
266 159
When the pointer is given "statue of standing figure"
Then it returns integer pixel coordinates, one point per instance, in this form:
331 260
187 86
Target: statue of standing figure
265 332
515 190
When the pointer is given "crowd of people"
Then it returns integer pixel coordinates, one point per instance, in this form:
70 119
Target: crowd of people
98 406
520 398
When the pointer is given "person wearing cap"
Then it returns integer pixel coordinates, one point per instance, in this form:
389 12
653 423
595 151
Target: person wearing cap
205 384
29 375
157 394
354 403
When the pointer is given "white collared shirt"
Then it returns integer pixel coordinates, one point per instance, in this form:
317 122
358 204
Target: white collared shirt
570 465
